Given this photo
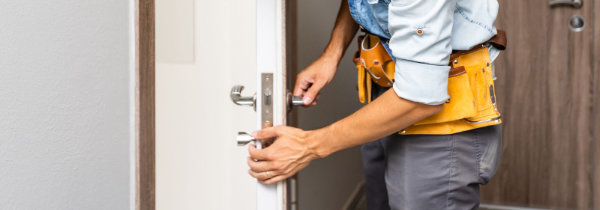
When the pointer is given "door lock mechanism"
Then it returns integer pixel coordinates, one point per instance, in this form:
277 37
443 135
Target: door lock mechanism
237 98
244 138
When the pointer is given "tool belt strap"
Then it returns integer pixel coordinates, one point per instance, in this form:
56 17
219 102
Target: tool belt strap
376 60
470 85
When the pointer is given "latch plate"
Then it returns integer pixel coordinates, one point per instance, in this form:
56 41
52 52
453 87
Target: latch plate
266 115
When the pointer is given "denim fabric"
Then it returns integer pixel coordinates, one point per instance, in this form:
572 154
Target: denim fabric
422 58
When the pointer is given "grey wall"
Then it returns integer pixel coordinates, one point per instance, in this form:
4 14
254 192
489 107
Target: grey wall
327 183
65 104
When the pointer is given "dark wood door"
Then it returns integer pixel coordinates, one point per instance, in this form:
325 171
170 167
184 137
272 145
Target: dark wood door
548 90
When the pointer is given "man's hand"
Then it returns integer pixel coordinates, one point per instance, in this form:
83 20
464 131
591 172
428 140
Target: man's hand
289 154
294 148
312 79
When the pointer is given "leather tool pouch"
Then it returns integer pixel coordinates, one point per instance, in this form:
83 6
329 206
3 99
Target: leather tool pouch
374 64
472 101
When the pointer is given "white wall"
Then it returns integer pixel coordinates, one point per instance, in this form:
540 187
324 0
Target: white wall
65 102
327 183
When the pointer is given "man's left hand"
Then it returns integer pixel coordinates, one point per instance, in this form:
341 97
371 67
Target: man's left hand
289 153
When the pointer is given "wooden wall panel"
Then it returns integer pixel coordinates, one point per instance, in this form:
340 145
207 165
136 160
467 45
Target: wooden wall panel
544 91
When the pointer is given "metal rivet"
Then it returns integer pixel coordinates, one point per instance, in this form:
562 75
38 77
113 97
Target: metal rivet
483 70
403 131
455 61
376 62
419 31
487 64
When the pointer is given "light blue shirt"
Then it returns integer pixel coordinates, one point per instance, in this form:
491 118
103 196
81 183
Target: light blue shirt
421 34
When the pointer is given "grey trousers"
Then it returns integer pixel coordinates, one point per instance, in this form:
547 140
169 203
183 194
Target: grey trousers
430 171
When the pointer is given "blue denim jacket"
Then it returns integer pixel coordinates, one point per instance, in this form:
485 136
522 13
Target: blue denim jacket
421 34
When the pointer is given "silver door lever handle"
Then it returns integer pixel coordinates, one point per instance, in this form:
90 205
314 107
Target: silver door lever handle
573 3
237 98
293 101
244 138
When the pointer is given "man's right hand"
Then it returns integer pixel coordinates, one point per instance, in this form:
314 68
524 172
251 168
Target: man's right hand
313 78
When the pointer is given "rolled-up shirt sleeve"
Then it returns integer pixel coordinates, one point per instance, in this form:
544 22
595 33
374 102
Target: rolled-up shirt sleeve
420 42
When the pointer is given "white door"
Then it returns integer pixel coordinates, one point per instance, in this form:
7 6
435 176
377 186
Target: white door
204 48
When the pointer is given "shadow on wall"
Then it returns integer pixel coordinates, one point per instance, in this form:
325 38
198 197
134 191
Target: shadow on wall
327 183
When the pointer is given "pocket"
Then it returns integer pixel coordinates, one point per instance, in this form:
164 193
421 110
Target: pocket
483 84
490 141
482 80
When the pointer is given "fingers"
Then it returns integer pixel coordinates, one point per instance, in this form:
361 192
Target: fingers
267 133
258 154
312 92
262 176
272 176
278 178
277 162
274 180
315 101
260 166
301 85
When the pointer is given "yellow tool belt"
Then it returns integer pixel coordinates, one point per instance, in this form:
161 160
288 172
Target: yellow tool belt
472 102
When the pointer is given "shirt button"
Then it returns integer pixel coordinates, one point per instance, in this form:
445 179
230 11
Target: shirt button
419 31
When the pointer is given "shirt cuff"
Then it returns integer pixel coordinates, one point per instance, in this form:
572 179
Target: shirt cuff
421 83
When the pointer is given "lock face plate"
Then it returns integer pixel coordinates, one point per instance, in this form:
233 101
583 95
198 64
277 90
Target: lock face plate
266 115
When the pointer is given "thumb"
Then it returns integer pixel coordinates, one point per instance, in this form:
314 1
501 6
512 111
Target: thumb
312 92
266 133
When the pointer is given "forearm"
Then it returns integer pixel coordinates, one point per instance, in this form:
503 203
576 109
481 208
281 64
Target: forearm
384 116
343 32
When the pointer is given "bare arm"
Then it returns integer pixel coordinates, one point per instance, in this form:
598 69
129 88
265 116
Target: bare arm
312 79
294 148
343 32
386 115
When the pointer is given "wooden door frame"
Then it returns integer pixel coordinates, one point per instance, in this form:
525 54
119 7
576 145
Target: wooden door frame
595 169
145 173
290 31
